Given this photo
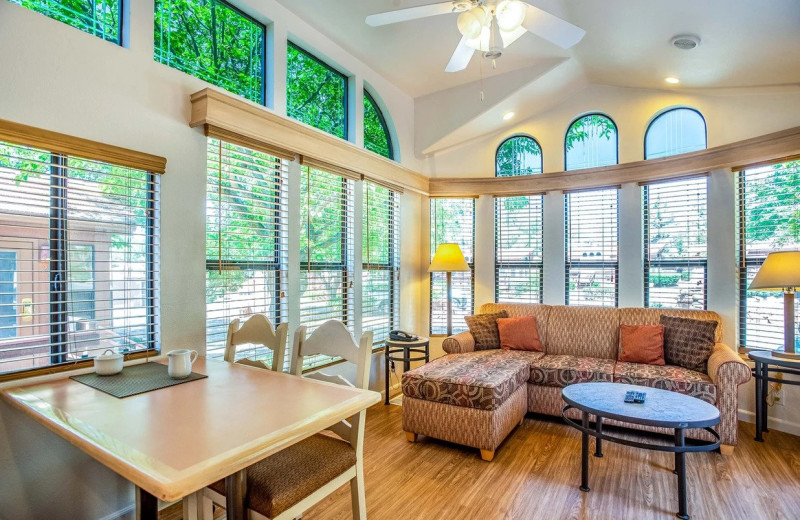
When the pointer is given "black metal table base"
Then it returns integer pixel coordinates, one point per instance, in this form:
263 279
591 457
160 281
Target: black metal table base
680 449
390 352
763 379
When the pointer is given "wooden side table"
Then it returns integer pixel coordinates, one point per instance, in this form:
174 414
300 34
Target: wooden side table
763 359
405 351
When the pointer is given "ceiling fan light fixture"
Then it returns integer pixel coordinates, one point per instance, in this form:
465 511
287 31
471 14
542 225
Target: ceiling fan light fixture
510 15
469 25
495 48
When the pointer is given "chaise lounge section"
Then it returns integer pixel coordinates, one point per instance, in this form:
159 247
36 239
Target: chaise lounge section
476 398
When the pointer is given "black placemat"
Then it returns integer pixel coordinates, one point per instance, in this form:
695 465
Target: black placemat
135 379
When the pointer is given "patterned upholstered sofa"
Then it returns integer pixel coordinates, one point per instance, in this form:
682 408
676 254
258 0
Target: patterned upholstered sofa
476 398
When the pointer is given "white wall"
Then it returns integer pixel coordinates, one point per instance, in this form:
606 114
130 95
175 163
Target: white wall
57 78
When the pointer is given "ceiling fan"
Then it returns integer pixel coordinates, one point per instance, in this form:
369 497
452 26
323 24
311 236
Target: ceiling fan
488 26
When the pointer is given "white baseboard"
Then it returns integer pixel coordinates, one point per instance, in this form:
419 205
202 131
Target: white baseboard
124 513
777 424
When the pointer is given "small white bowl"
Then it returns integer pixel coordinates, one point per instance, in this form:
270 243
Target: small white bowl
108 363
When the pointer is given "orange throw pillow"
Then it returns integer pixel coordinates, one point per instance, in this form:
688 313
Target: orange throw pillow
519 334
642 344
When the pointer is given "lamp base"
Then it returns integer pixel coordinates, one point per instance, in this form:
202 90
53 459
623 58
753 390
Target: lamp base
786 355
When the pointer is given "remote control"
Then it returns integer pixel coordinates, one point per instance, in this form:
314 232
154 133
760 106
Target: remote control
630 396
639 398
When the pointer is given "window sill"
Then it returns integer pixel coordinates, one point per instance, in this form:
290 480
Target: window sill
67 367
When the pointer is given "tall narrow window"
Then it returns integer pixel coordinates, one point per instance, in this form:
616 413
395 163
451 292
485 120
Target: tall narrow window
101 18
518 248
769 217
452 221
518 225
78 258
591 141
246 241
380 259
376 133
675 243
518 155
591 241
213 41
316 94
676 131
326 251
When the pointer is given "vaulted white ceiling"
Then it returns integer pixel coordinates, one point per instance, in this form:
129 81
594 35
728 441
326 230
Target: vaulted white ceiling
745 43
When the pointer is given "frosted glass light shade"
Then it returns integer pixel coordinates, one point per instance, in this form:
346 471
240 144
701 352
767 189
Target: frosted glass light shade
448 258
470 23
510 14
780 271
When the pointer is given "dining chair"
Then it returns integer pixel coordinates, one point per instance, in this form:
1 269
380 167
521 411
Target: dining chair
257 330
287 483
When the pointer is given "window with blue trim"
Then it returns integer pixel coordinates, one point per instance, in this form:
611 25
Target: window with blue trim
376 132
101 18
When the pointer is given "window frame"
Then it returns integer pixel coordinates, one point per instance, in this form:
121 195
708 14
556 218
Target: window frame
345 97
664 112
59 294
572 123
588 265
518 136
690 263
529 265
121 41
264 64
382 119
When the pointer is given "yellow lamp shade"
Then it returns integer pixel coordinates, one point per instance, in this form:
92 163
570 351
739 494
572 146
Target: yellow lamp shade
780 271
448 258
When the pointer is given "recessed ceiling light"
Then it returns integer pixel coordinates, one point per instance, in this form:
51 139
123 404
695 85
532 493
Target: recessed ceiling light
672 80
508 115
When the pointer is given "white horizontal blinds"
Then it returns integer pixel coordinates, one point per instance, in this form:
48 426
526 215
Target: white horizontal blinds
326 251
452 221
675 243
380 305
591 247
769 218
246 242
78 258
518 248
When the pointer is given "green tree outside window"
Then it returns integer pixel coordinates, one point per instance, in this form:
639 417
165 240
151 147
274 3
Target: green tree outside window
212 41
376 132
100 18
315 93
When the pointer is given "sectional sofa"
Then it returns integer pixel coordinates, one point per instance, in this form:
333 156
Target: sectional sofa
476 398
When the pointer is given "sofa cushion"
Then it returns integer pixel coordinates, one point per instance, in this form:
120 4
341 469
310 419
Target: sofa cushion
483 328
583 331
519 333
483 379
640 316
560 371
688 343
642 344
515 310
667 377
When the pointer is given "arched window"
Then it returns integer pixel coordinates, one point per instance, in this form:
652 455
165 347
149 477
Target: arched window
676 131
518 155
518 225
591 141
376 133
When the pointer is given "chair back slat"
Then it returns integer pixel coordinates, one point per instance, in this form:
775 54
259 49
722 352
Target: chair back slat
257 330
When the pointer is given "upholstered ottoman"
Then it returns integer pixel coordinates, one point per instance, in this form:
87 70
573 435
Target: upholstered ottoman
474 399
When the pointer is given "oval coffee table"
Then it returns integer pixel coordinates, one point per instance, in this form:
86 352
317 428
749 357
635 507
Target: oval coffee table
661 408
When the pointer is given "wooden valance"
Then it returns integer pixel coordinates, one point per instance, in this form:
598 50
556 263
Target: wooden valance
243 122
25 135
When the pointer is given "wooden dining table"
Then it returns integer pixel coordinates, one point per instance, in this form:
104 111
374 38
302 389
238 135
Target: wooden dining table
174 441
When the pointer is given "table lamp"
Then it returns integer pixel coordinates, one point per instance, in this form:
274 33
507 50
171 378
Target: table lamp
448 258
781 272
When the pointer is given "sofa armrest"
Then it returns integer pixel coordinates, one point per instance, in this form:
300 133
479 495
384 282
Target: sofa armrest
459 343
725 367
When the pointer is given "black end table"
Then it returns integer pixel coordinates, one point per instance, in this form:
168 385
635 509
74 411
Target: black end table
763 359
661 408
405 351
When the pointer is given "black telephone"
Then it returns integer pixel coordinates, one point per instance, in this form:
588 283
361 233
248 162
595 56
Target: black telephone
399 335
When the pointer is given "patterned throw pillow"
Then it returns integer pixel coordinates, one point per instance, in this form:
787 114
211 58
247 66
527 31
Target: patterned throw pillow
688 343
484 329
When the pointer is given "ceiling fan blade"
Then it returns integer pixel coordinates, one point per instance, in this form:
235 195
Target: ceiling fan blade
412 13
551 27
461 57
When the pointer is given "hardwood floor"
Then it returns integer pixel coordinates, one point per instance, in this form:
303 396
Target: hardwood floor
536 472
